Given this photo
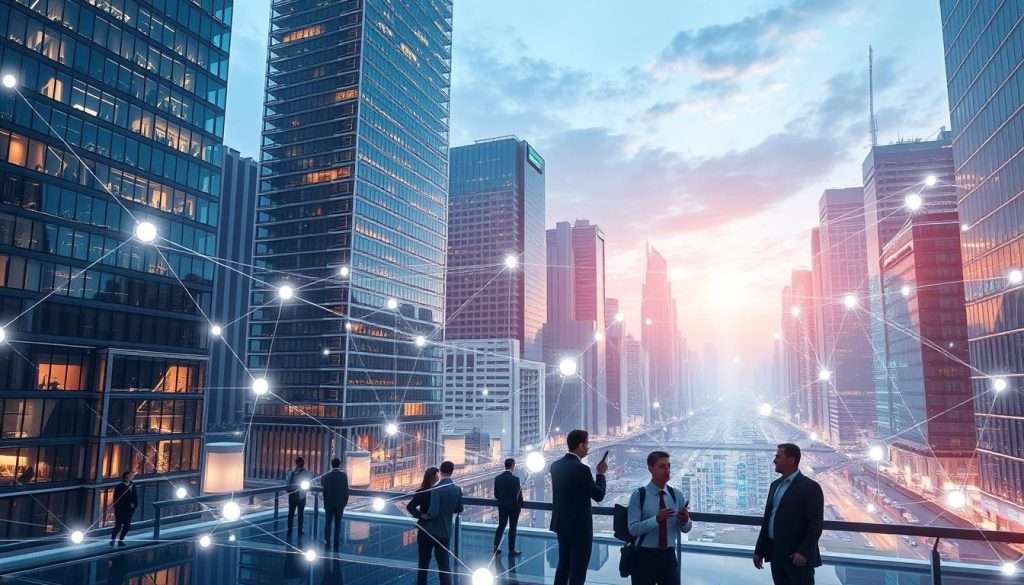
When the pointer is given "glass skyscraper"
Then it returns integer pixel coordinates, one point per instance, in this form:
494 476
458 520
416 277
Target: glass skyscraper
352 214
116 119
984 45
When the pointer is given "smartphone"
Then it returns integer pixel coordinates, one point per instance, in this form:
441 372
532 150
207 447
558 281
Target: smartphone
604 457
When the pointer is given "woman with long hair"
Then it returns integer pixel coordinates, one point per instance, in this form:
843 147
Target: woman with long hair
417 507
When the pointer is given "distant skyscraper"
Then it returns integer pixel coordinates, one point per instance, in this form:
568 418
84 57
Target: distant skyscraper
895 177
820 416
660 334
576 314
851 404
932 417
355 177
227 378
495 213
983 49
615 359
637 383
799 347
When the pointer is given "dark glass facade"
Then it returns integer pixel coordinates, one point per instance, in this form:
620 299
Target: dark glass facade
355 175
117 118
984 46
496 209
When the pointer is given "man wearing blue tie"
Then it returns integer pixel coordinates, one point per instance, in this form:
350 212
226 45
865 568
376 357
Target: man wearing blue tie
792 524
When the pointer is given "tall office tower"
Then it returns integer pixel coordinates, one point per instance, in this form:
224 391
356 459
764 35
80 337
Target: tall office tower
496 281
575 328
637 383
115 122
660 334
845 325
820 416
896 185
801 360
617 404
489 386
352 217
932 418
227 380
983 47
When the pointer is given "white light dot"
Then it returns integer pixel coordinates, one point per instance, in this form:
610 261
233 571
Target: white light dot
285 292
850 301
814 436
260 386
205 541
876 453
10 81
913 202
77 536
872 508
956 499
999 385
391 429
965 227
656 404
567 367
326 351
905 290
145 231
483 576
1009 569
215 330
3 335
558 429
511 262
535 462
421 341
348 326
231 537
379 504
1015 276
485 392
181 493
598 336
309 555
620 317
689 413
930 180
649 321
344 271
824 375
795 311
392 304
231 511
765 409
304 485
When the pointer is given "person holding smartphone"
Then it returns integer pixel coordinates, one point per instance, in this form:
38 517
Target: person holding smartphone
572 489
658 514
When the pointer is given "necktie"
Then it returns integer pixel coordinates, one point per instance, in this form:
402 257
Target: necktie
662 526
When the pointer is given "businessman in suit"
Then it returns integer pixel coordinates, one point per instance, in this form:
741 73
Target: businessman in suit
335 486
573 487
445 502
793 519
509 493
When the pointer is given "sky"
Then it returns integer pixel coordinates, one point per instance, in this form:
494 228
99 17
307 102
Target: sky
709 129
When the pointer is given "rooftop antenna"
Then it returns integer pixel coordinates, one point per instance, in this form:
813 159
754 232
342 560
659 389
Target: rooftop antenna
871 96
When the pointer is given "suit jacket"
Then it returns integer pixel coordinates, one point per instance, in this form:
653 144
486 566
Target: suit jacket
125 500
445 502
335 486
508 491
572 488
295 478
798 521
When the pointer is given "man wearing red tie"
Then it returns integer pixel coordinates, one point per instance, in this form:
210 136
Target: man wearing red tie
657 515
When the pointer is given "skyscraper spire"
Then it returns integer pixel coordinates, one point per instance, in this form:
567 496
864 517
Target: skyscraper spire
871 96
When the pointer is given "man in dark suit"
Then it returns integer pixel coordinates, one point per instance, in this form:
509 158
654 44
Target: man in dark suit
793 519
335 486
572 489
297 495
445 502
125 502
509 493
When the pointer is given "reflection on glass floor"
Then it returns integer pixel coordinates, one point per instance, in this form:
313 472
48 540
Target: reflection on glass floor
381 550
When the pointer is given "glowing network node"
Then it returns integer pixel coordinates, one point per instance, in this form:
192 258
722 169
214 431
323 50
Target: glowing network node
309 555
285 292
656 404
598 336
649 321
535 462
391 429
145 232
304 485
485 392
326 351
344 271
956 499
181 493
876 453
872 508
77 536
850 301
824 375
420 341
231 537
511 262
795 311
913 202
231 511
348 326
10 81
930 180
689 413
567 367
205 541
392 304
1015 276
379 504
965 227
260 386
216 330
814 436
905 291
3 335
1009 569
765 409
999 385
483 576
619 317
